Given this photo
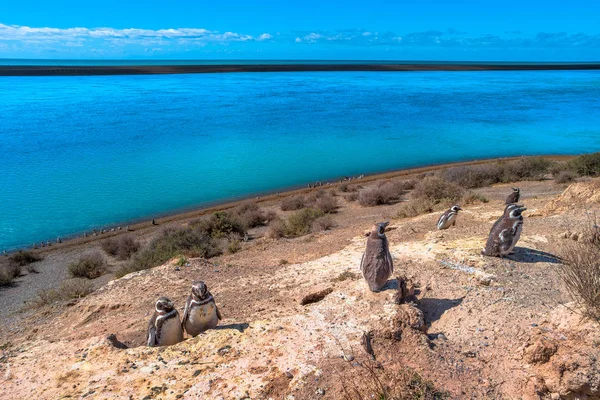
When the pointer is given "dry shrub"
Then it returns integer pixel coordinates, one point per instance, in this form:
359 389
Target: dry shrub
353 196
23 258
276 228
293 203
326 203
436 190
471 198
300 222
586 165
70 289
200 239
89 266
122 247
389 192
413 208
234 246
323 223
8 273
565 177
476 176
580 271
251 216
369 380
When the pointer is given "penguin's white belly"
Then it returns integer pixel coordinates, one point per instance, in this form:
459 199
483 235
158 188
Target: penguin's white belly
170 332
448 222
202 318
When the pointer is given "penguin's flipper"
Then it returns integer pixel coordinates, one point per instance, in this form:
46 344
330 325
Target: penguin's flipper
362 260
186 312
151 335
389 261
218 312
506 239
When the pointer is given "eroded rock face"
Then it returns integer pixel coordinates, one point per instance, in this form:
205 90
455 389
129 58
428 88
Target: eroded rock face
575 195
566 359
541 351
409 316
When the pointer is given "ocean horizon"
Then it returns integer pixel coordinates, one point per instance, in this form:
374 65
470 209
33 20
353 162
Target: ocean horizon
84 152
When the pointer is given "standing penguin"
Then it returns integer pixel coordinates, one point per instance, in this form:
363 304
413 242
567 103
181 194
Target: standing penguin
376 264
164 328
514 197
201 312
448 218
505 232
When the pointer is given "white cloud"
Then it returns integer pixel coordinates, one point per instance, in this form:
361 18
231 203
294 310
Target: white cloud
264 36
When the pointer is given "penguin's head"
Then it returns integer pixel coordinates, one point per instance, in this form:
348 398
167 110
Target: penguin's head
199 289
515 189
378 229
516 211
164 305
456 208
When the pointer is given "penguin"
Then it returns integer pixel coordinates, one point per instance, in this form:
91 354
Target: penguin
448 218
376 263
164 328
201 312
514 197
505 232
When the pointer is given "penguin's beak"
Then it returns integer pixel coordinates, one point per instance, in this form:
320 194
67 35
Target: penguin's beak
459 208
522 208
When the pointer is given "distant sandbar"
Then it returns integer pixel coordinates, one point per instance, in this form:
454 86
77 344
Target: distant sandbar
47 70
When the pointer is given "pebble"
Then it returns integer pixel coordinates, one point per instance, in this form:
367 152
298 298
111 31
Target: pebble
320 391
348 358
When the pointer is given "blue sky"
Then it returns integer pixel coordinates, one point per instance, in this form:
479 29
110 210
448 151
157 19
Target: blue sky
537 30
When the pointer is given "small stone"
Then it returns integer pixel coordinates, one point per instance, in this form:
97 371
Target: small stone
289 374
320 391
177 269
348 357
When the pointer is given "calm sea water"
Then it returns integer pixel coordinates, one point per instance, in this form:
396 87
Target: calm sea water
78 153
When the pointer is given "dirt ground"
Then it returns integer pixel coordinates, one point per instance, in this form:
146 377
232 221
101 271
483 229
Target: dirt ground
492 328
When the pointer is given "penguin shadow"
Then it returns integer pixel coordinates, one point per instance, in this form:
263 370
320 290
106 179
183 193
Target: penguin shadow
526 255
433 309
238 327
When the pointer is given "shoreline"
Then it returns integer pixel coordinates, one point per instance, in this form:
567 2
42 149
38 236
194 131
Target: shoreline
76 70
142 226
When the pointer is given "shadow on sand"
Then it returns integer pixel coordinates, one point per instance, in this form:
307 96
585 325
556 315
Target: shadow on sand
434 308
238 327
525 255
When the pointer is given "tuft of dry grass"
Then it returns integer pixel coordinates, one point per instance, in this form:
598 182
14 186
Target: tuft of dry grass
70 289
251 215
369 380
8 274
414 208
90 266
471 198
580 271
326 203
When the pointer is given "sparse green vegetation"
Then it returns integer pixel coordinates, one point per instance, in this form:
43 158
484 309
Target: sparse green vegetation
89 266
344 276
205 238
300 222
283 262
586 165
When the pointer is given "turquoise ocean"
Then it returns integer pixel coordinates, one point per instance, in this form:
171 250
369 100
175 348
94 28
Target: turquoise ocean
84 152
